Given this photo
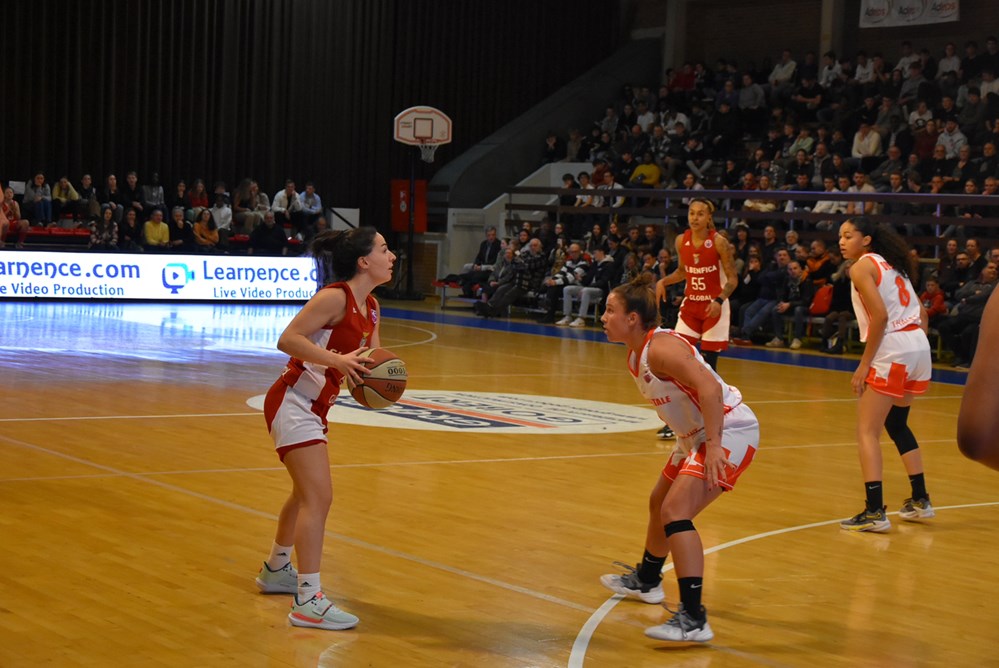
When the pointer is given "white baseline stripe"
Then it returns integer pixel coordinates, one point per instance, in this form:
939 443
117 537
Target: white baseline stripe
578 653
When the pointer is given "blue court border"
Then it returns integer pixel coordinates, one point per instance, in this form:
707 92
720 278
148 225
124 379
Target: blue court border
753 354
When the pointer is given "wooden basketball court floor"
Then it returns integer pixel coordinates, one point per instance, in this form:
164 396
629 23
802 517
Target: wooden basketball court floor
139 490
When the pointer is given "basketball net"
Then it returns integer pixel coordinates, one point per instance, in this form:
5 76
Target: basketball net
427 150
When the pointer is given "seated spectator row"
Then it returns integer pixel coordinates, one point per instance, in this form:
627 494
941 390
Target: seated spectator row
790 293
925 125
131 218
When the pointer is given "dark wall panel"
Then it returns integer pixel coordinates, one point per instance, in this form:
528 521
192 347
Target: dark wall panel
224 89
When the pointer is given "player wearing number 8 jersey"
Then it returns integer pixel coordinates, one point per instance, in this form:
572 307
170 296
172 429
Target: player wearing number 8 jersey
894 368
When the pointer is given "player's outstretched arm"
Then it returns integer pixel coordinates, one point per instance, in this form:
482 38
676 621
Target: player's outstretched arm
978 421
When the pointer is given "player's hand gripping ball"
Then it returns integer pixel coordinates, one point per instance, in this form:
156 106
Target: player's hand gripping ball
385 383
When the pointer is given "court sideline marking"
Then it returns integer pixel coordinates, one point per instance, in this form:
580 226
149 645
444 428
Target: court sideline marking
427 462
580 645
356 542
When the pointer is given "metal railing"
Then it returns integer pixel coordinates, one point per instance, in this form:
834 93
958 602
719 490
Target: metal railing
667 207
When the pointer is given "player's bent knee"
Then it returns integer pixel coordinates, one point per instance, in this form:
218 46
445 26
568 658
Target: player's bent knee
679 526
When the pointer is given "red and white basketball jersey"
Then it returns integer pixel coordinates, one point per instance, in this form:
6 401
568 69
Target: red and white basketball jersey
321 383
677 404
705 276
901 301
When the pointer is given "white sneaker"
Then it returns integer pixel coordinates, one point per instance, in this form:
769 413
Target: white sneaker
775 342
578 322
564 321
682 628
282 581
320 613
796 344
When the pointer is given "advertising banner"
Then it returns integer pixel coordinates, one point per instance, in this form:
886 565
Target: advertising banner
894 13
108 276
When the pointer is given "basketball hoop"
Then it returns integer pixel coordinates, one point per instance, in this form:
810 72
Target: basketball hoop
427 150
424 127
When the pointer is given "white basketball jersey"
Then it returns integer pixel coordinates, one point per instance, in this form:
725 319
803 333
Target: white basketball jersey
901 301
677 404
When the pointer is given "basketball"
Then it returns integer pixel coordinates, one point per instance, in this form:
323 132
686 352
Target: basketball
385 383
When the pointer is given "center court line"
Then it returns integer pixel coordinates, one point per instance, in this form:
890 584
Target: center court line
580 645
431 462
247 414
356 542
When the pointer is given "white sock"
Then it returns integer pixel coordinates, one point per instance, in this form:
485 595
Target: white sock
308 586
280 557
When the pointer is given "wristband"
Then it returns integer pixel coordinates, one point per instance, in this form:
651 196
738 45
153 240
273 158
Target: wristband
720 300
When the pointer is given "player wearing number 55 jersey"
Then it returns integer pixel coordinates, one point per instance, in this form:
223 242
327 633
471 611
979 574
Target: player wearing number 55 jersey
894 368
707 264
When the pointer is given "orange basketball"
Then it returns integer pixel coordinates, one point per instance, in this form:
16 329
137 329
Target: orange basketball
385 383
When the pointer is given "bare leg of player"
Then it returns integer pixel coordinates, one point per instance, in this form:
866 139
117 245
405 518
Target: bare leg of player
687 497
310 472
313 489
872 409
644 582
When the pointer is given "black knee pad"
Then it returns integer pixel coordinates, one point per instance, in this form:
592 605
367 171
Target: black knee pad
678 526
897 426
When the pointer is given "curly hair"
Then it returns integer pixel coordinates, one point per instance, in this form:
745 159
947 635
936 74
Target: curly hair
887 243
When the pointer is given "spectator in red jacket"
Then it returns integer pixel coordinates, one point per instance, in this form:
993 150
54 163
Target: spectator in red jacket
934 302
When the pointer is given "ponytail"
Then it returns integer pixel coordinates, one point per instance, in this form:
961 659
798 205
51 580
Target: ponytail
639 296
335 253
887 243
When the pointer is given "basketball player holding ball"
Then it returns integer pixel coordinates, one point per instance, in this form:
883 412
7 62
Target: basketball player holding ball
706 263
326 342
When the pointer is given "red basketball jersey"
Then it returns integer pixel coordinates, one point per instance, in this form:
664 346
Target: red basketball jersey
703 267
322 384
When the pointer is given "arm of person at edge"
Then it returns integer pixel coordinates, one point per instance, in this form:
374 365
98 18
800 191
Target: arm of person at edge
731 275
677 275
670 357
863 276
326 309
978 419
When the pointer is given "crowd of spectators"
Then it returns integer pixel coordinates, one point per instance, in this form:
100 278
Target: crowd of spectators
915 122
136 217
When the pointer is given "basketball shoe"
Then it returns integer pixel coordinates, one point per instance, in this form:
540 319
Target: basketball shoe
628 584
875 521
320 613
681 627
916 509
282 581
666 433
